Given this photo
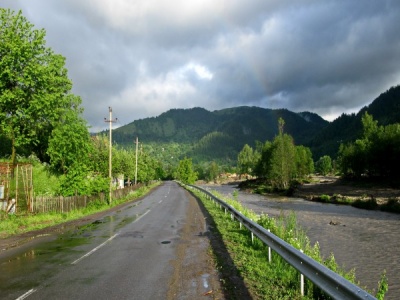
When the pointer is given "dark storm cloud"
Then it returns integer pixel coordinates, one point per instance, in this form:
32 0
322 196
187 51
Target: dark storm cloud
145 57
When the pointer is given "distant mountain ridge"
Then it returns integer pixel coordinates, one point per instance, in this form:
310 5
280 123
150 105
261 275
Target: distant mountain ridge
221 134
385 109
190 125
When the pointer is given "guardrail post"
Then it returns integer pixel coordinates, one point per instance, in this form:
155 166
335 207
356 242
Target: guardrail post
232 218
240 225
252 237
225 210
269 252
301 281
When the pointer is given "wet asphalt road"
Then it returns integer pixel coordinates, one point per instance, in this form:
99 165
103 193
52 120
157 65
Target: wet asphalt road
126 255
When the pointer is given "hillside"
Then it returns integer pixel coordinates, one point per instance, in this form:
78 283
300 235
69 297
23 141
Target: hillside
385 109
219 135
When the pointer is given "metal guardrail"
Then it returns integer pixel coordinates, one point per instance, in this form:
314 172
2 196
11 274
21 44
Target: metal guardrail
330 282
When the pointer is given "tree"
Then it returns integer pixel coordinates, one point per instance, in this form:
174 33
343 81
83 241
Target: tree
212 172
282 162
185 172
324 165
263 164
304 162
99 155
70 140
33 82
246 162
376 154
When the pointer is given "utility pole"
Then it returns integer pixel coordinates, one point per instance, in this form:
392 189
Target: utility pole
137 142
110 120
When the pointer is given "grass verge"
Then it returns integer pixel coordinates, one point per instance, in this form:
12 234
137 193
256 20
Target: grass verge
264 280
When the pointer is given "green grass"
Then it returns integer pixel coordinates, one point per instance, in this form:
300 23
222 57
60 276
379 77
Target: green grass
20 223
264 280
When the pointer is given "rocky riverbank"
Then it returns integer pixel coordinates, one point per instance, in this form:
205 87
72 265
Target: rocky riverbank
335 190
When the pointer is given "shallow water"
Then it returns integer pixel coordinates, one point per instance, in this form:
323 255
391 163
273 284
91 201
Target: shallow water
368 241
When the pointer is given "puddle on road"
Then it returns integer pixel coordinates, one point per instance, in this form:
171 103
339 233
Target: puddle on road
32 263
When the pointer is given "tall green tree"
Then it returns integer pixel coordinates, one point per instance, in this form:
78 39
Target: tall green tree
212 171
70 140
33 82
324 165
280 161
264 162
185 172
99 155
304 162
246 160
283 162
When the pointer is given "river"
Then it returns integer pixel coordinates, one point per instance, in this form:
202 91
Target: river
368 241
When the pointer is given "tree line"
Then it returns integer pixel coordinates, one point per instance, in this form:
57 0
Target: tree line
280 162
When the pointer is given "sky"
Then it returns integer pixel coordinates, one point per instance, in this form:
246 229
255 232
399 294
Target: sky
144 57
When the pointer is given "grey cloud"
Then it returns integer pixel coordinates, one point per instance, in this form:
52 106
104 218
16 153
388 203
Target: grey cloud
328 57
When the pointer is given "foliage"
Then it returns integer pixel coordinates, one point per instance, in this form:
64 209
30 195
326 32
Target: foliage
45 183
376 154
99 156
304 162
70 140
185 172
324 165
247 160
148 168
212 172
383 287
280 161
33 82
347 128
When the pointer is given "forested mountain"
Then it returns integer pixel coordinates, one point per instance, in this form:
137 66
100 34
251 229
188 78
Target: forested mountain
385 109
219 135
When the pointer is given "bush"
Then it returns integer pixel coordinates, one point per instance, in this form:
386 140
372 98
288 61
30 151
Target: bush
325 198
370 204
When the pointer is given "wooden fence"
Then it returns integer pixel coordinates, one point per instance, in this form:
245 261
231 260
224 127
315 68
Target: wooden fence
41 204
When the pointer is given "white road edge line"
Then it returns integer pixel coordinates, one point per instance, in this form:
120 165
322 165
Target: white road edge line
101 245
142 216
31 291
93 250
